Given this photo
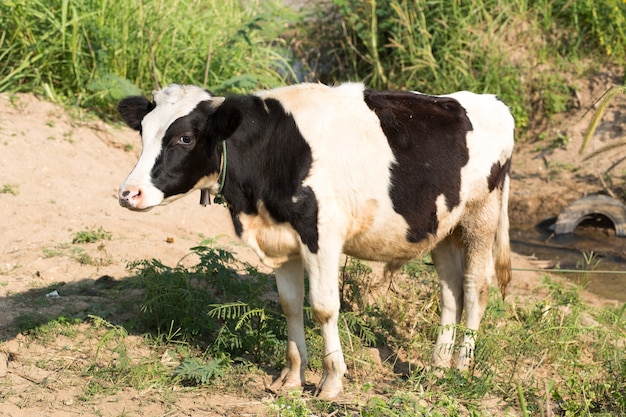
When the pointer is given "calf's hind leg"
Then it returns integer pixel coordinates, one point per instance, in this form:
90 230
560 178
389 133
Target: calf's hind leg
448 260
478 237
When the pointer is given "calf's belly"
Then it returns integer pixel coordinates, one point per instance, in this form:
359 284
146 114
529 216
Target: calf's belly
387 246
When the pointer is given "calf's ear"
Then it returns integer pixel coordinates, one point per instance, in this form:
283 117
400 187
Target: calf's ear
226 118
133 110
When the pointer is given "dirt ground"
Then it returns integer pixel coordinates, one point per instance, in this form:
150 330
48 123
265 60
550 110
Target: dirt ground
59 173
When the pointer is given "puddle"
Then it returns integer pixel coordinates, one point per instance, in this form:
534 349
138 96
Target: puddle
568 252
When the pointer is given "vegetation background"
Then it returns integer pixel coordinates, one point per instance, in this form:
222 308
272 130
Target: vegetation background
552 356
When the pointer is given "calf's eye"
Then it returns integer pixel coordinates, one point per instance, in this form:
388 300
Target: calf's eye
185 140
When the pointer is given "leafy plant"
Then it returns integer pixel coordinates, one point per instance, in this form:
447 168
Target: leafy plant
91 235
218 301
246 330
197 371
172 301
355 282
29 323
291 405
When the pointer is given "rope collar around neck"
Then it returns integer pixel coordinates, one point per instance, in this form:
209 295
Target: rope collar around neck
205 197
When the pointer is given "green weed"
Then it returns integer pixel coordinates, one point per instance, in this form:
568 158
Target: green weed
197 371
79 254
91 236
46 329
114 365
58 250
28 322
13 189
218 300
290 405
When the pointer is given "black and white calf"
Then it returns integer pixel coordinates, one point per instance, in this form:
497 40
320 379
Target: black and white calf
311 171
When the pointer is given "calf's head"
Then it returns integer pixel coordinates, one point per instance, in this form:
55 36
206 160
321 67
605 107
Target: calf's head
180 131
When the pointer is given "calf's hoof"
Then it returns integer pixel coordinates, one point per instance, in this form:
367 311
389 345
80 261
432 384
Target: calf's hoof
328 394
329 389
286 382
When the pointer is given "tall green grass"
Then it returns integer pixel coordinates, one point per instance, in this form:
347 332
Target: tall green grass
519 49
93 52
583 25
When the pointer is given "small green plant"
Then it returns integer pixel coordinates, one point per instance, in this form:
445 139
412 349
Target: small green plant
420 268
81 254
28 322
588 264
68 136
560 141
82 257
219 301
43 329
355 283
91 236
290 405
200 372
58 250
12 189
554 96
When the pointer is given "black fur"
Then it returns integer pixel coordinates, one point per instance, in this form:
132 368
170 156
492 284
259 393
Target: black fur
271 160
428 138
267 158
498 174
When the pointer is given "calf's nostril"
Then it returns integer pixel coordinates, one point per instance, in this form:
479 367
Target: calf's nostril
130 194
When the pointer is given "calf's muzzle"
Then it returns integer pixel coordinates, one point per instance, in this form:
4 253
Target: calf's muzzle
130 197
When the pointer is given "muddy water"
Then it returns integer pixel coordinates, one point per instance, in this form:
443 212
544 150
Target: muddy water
567 252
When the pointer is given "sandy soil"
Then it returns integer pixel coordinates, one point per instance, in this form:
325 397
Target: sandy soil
59 174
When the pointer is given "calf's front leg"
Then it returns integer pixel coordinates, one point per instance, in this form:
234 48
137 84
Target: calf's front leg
290 283
324 299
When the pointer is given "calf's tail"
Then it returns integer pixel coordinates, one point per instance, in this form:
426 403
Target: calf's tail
502 243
